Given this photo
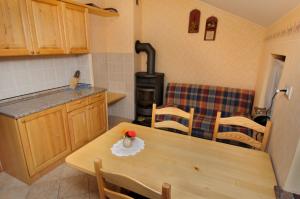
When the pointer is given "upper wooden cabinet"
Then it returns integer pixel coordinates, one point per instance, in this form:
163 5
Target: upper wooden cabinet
14 28
47 26
75 22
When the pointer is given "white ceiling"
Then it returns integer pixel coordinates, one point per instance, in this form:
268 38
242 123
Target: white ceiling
263 12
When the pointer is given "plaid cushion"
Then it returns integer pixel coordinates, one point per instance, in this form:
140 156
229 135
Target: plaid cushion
207 101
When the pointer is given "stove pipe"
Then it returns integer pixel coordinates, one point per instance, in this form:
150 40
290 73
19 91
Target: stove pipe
150 51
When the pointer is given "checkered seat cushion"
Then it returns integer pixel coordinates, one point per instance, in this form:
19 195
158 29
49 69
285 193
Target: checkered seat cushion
207 101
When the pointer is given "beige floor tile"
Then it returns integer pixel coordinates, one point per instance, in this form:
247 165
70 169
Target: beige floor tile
7 182
93 186
81 196
45 190
55 174
14 193
94 195
73 186
62 182
70 172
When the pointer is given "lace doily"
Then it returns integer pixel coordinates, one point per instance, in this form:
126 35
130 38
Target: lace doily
119 150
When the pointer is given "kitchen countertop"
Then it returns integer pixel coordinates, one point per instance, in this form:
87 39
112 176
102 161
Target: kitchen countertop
28 104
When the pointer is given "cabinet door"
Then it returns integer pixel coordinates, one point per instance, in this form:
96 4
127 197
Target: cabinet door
14 28
47 26
75 21
45 138
79 128
97 119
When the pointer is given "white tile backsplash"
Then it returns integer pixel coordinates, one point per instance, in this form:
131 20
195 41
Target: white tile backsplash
19 76
121 79
115 71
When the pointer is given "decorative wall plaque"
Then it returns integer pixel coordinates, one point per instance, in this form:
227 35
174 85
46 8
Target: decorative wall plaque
194 22
211 29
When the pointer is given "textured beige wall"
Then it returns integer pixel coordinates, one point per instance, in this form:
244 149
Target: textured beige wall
113 34
285 133
232 60
98 29
292 182
138 13
120 30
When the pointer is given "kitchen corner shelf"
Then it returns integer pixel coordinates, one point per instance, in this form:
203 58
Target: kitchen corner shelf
94 10
101 12
113 98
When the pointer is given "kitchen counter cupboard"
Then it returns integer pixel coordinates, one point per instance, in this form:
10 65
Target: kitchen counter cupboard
32 145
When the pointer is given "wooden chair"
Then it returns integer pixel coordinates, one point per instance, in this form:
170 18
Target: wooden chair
127 183
241 137
173 124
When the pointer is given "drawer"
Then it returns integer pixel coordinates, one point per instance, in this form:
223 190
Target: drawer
96 98
77 104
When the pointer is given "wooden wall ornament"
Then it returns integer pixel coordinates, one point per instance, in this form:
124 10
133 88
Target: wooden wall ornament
194 22
211 28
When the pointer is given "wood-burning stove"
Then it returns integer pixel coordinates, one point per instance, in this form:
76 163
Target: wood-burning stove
149 87
148 90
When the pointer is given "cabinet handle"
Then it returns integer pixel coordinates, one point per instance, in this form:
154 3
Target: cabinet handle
78 102
92 107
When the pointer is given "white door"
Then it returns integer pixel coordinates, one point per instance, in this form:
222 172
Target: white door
273 82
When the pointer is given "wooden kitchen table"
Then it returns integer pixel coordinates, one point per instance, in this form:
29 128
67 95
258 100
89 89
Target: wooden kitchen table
195 168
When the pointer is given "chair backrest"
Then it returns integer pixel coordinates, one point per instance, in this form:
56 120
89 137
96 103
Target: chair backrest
241 137
173 124
127 183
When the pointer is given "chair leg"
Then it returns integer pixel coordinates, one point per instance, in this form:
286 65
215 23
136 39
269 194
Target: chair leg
153 115
166 191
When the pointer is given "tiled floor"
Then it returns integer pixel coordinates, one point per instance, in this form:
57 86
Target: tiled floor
61 183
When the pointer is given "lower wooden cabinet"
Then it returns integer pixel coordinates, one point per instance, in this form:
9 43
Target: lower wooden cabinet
79 127
33 145
96 120
88 122
45 138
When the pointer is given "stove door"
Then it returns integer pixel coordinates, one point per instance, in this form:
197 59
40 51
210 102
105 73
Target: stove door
145 97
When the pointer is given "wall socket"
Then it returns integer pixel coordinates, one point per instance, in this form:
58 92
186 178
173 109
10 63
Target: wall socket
289 92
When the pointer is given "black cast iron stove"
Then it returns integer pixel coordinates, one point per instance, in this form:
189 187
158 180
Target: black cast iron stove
149 86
